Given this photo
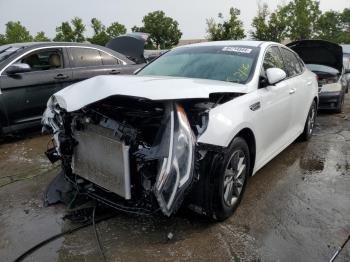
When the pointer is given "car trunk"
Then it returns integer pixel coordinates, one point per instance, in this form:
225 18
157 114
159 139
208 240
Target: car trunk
323 58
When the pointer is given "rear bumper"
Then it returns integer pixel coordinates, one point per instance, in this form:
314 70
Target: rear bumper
329 100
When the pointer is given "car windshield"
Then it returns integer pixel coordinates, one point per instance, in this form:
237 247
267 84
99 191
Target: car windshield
224 63
7 51
322 68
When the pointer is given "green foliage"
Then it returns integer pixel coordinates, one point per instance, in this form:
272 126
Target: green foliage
71 33
334 26
231 29
302 17
41 37
269 27
15 33
328 26
3 40
344 36
102 35
163 30
115 29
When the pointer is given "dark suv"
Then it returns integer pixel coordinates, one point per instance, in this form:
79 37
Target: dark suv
31 72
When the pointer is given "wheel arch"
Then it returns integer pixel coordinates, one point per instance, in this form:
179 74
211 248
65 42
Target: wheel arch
248 135
316 99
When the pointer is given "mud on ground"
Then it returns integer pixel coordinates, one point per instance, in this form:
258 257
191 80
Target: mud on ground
297 208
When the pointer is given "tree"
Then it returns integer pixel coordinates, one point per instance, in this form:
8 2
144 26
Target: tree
260 24
163 30
302 17
269 27
344 36
71 33
41 37
15 33
102 35
328 26
115 29
225 30
3 39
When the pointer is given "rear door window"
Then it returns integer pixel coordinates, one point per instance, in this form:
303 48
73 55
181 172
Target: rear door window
292 64
107 59
85 57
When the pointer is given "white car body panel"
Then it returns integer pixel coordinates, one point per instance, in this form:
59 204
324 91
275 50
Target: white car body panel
278 121
81 94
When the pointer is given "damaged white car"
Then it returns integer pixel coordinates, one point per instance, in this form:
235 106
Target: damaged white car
188 129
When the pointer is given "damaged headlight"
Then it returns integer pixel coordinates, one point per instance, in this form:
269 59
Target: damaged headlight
49 118
176 170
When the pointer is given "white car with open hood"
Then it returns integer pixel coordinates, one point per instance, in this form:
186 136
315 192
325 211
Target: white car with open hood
188 129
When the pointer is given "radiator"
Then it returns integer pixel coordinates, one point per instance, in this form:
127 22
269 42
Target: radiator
100 158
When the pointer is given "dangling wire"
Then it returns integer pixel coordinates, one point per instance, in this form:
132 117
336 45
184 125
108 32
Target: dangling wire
96 235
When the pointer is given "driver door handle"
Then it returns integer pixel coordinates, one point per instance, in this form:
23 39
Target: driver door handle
61 76
292 91
114 72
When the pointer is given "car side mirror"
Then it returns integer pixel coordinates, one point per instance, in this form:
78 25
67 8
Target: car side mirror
275 75
347 71
18 68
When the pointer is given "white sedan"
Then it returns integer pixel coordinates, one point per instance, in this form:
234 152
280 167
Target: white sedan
189 128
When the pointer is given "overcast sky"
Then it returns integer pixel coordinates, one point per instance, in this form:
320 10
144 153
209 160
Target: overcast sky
45 15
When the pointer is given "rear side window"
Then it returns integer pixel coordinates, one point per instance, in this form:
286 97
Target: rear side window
292 64
84 57
273 59
108 59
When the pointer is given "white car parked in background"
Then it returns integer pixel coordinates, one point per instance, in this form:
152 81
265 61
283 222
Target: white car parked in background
192 125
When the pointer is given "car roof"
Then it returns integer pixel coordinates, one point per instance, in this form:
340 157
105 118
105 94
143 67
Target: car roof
231 42
41 44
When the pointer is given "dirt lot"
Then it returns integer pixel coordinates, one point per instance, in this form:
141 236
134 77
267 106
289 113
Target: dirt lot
297 208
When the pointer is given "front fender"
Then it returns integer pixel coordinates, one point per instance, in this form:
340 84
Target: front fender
228 119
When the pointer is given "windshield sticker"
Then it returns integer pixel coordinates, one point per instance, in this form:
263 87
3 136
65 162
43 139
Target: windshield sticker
237 49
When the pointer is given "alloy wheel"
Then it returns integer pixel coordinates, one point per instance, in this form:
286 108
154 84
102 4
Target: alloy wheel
234 179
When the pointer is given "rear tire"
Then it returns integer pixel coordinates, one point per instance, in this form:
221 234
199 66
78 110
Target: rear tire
310 122
230 178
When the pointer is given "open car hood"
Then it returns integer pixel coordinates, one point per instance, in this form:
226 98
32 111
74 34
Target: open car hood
131 45
319 52
84 93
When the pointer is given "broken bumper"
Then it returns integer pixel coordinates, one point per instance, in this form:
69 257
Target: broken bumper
329 100
101 158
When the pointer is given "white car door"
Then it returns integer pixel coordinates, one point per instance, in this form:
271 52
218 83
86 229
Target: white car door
275 116
300 91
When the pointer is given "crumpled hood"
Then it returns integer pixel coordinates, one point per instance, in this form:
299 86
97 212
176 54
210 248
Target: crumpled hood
319 52
81 94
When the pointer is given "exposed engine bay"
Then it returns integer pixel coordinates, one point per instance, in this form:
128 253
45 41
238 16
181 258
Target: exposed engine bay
132 153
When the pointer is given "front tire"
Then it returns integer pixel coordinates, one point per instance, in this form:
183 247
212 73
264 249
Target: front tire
230 178
340 105
310 122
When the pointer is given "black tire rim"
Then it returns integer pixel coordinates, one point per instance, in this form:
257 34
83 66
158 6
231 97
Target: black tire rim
234 178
